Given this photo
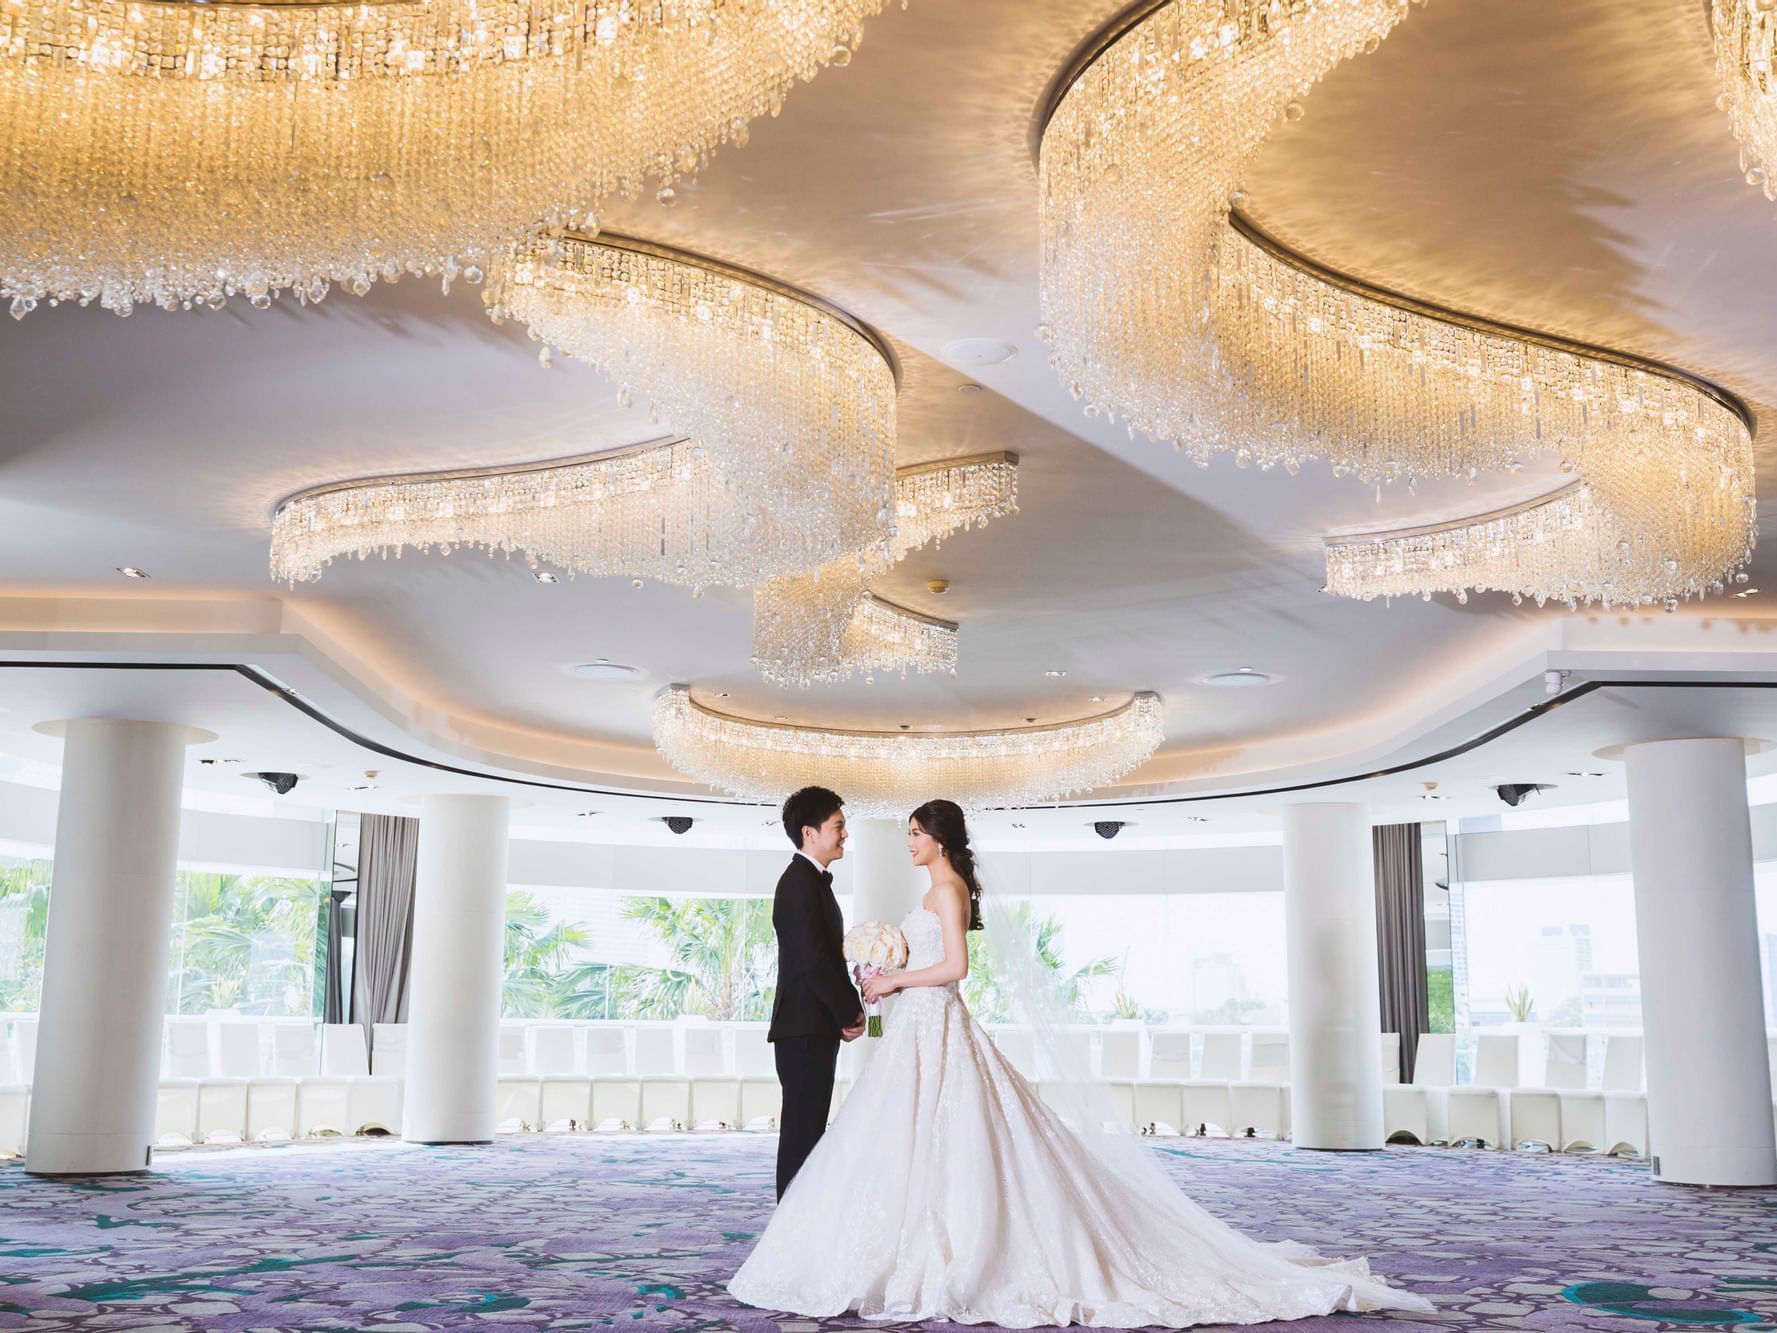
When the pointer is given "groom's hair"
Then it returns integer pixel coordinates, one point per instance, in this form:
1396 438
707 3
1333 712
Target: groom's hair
809 808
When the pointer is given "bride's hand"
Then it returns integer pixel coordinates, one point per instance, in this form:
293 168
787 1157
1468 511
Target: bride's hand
879 988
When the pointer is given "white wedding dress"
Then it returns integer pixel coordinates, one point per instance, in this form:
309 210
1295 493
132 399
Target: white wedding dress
946 1190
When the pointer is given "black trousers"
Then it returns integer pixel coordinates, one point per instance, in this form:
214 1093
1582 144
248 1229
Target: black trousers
805 1068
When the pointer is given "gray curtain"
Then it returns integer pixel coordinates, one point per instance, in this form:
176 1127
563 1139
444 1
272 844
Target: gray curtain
387 857
1400 935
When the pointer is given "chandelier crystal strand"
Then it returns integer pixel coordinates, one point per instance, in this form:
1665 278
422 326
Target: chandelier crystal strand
174 153
1169 310
885 637
814 628
1745 35
886 774
793 400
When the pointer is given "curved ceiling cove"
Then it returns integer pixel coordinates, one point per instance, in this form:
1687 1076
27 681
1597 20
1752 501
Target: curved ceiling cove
1165 308
886 774
170 154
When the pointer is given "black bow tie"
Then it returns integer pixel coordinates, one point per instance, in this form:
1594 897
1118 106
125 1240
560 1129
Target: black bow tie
827 878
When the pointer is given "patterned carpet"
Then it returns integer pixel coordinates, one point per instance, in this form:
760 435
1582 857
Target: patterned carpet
591 1232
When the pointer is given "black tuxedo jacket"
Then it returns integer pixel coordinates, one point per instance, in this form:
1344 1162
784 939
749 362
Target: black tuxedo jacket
815 996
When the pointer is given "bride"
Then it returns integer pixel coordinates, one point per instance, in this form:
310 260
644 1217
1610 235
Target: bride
947 1190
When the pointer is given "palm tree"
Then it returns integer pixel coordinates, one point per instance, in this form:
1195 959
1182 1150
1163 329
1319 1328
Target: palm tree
985 991
243 941
539 952
723 959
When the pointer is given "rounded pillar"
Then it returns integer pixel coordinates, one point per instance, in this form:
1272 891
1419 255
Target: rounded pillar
105 956
459 927
885 886
1702 1007
1329 896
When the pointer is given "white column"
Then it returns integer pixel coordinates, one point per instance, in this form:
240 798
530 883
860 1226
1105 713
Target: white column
885 886
1329 904
1702 1008
105 956
459 925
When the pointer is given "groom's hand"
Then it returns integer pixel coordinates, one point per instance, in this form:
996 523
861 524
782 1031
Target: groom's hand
853 1032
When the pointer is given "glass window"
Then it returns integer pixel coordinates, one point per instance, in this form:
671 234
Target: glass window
1559 952
585 953
243 942
24 916
1200 958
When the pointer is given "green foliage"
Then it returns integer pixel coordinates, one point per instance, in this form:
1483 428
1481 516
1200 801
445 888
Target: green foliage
243 942
1440 995
722 954
984 991
539 955
1518 1003
24 920
724 959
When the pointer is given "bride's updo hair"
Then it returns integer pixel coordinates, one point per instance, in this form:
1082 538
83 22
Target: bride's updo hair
943 820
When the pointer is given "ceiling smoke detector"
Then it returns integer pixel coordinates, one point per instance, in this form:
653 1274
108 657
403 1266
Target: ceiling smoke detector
1240 679
604 669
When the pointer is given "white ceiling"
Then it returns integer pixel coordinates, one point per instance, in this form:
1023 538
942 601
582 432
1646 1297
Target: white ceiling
1555 165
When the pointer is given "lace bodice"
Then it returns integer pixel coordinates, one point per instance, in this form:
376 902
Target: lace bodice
925 938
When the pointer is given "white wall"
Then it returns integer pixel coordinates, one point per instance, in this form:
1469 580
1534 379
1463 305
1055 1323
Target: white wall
294 846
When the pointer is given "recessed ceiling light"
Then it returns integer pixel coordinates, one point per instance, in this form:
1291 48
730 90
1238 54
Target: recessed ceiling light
1054 674
1196 819
721 694
604 670
1030 719
131 572
780 717
544 576
1433 796
1575 773
635 583
978 352
585 814
1746 592
1243 677
363 786
1098 698
968 388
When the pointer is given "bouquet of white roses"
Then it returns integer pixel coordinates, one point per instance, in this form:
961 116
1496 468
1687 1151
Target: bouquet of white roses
873 949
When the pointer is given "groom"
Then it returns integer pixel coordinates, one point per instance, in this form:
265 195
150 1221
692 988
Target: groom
816 1006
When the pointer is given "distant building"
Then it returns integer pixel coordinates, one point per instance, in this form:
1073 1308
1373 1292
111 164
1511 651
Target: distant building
1610 1000
1560 957
1216 979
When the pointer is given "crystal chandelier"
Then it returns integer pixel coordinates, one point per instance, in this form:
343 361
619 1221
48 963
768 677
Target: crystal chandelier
660 512
792 398
789 406
821 627
176 153
1166 307
886 774
1745 34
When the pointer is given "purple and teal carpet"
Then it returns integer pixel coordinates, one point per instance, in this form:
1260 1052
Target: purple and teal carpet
626 1232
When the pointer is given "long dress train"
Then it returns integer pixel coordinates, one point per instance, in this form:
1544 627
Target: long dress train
947 1190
